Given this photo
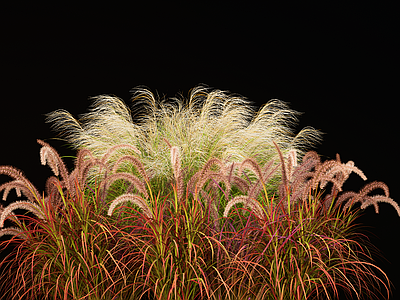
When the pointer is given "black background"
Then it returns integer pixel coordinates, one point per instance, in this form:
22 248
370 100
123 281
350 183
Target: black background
336 64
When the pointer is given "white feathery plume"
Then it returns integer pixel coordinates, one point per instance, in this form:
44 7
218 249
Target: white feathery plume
210 123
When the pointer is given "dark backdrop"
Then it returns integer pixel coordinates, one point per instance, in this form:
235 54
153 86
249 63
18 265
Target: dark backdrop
335 64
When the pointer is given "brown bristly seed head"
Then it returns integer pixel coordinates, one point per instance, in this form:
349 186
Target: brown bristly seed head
26 205
292 162
248 202
141 187
350 167
335 172
135 199
366 200
346 196
373 186
134 161
167 142
177 170
311 173
253 166
205 172
292 157
321 171
105 158
50 155
47 157
80 159
30 191
313 157
18 185
175 157
373 200
13 231
11 215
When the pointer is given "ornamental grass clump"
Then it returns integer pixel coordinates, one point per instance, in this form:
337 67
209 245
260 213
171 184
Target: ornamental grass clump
62 249
167 207
209 124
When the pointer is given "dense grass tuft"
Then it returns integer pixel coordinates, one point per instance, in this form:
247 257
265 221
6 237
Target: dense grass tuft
209 124
190 201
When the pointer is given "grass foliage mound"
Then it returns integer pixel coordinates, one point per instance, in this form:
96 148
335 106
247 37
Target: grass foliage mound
197 199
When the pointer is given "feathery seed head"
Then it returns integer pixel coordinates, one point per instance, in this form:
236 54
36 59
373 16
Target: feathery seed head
175 159
21 183
379 198
18 185
292 157
209 124
13 231
135 199
26 205
47 156
248 202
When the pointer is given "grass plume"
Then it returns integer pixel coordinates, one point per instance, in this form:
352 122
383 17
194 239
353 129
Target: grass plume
209 124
